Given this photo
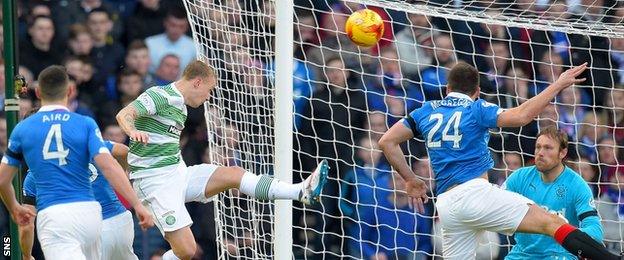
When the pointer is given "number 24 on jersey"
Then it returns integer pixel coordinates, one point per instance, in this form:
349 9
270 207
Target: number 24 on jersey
453 122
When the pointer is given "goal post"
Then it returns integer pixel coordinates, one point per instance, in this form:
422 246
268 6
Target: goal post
293 90
284 14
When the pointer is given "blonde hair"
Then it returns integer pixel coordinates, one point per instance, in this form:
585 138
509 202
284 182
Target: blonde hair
197 69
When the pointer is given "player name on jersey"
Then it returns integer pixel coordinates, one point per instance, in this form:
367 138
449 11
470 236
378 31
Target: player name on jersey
55 117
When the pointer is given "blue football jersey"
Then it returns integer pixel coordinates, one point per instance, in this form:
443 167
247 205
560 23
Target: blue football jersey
57 145
456 133
568 195
104 194
28 187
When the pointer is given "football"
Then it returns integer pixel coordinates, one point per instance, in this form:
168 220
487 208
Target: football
364 27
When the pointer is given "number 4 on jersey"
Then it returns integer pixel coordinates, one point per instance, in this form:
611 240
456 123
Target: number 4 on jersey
61 153
455 137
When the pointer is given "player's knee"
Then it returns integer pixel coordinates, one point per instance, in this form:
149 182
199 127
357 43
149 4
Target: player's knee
186 251
234 176
236 170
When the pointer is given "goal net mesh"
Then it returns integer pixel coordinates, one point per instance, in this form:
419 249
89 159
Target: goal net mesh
346 97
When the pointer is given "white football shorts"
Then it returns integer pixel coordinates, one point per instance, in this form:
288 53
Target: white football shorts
70 230
165 194
473 207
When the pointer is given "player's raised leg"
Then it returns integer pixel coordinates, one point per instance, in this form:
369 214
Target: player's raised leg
537 220
207 180
182 244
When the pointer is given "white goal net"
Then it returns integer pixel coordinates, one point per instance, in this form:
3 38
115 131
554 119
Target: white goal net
345 97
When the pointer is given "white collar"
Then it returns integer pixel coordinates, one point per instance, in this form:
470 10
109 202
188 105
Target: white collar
458 95
52 107
175 89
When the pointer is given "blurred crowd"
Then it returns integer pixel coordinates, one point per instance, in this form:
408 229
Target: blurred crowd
345 98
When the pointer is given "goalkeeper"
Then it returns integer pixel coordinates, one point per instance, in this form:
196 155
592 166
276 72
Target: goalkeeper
558 189
162 180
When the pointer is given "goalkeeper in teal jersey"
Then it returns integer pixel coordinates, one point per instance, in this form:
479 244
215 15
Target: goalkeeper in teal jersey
558 189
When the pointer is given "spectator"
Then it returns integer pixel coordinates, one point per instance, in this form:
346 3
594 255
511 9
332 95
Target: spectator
107 53
167 71
303 76
138 59
592 128
80 40
415 43
81 69
610 206
333 44
377 125
391 83
614 100
34 8
594 50
609 158
589 172
511 162
362 190
549 66
173 40
544 41
77 11
114 133
515 88
129 86
335 119
498 56
74 104
571 111
617 57
147 20
548 117
39 52
404 234
434 78
229 151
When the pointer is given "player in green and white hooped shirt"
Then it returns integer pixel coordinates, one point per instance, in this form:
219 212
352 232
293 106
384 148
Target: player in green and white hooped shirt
154 122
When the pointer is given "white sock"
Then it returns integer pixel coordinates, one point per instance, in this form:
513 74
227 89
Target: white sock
169 255
264 187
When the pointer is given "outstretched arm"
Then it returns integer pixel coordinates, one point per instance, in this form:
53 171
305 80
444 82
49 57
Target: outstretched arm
523 114
390 145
